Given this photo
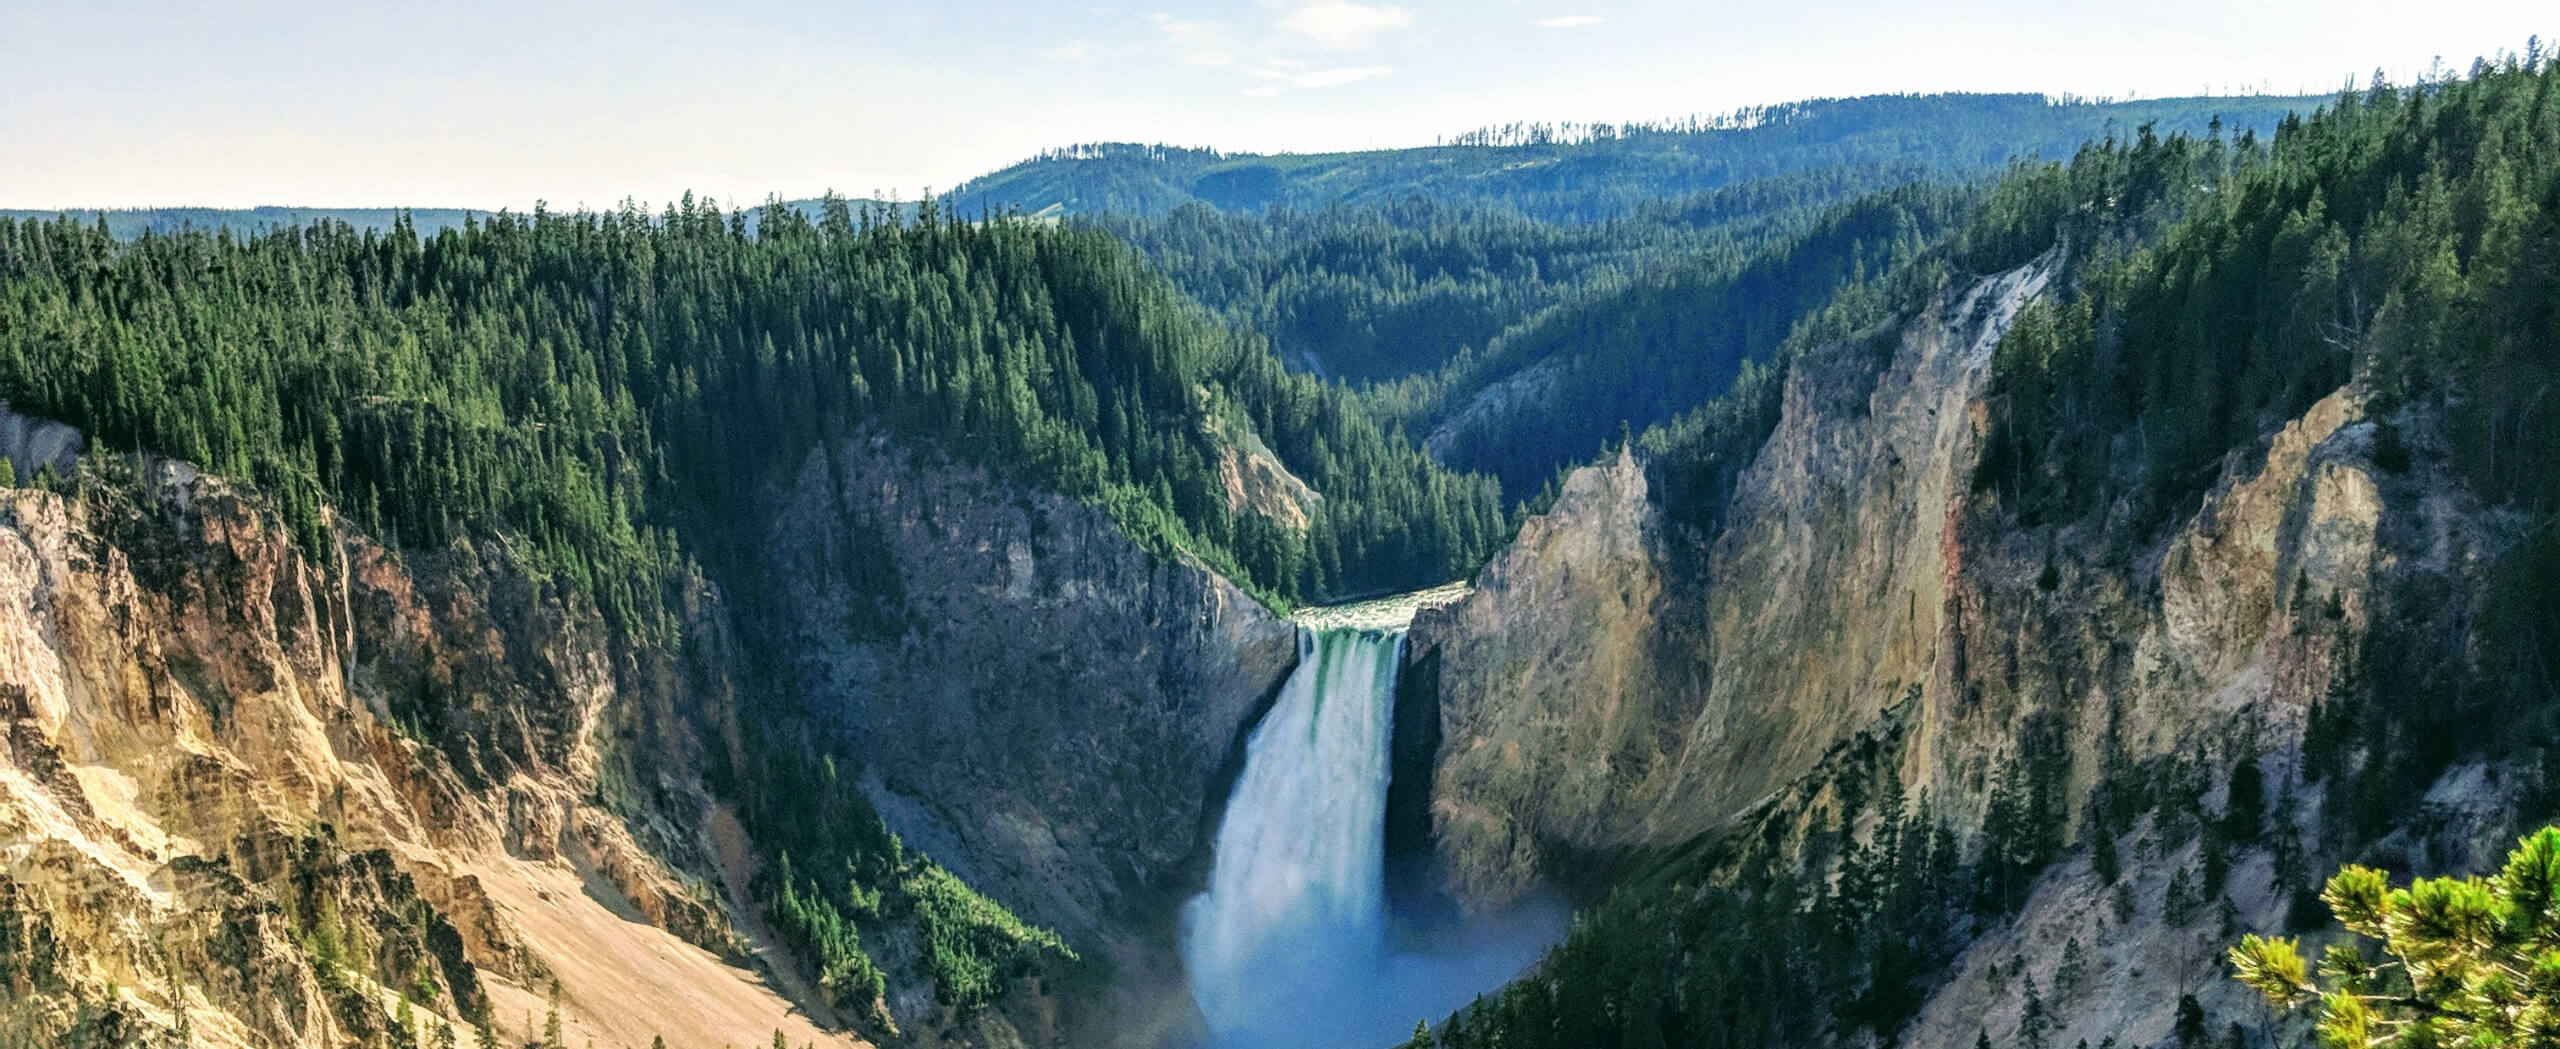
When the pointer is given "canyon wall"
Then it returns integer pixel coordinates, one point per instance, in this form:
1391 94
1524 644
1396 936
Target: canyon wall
1619 685
252 793
1035 700
255 791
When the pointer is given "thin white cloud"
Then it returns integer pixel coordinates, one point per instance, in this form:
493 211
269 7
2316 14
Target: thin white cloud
1570 21
1337 25
1195 43
1184 32
1339 77
1276 80
1071 51
1341 26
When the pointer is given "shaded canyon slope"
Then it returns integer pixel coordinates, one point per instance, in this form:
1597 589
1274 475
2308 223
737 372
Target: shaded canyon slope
1620 687
1032 694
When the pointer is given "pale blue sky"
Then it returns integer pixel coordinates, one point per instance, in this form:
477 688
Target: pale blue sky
488 104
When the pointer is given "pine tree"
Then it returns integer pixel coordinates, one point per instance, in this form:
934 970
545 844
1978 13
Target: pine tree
2071 977
551 1019
2189 1029
2181 906
2460 961
422 984
2244 811
2035 1024
2213 854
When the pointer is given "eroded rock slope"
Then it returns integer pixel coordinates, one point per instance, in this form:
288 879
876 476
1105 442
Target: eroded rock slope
1620 685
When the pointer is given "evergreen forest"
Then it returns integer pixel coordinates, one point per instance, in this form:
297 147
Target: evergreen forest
617 386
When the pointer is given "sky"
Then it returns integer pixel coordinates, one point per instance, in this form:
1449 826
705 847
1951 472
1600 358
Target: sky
474 103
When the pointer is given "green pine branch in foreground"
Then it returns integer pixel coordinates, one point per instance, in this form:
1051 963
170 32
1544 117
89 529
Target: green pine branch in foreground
2455 961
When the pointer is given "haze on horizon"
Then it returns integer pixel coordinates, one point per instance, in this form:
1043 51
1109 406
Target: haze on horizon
491 105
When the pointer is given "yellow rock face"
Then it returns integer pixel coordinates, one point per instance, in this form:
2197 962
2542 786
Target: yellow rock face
203 800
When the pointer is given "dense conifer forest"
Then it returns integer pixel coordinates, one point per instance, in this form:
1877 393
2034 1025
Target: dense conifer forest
1372 294
129 223
1549 393
617 386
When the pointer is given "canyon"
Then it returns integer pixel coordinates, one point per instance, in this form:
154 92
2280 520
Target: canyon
951 633
479 780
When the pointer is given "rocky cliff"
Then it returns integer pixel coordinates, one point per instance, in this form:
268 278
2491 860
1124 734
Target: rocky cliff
259 796
1659 656
269 795
1030 693
1621 686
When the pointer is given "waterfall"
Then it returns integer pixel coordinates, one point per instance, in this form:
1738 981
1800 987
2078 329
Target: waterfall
1292 944
1295 913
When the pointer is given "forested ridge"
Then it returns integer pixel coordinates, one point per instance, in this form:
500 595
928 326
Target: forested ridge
1589 173
1558 387
2408 240
1437 272
1519 348
1519 314
1375 293
616 386
134 222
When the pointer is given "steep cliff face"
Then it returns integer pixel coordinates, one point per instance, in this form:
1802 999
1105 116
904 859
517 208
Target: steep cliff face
254 795
1031 693
2207 650
1562 681
1862 588
1615 681
258 793
1830 581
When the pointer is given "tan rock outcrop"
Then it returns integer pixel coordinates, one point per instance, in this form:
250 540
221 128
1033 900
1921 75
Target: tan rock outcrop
252 794
1610 684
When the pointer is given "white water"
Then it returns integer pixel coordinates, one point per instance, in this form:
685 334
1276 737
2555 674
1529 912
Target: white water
1292 943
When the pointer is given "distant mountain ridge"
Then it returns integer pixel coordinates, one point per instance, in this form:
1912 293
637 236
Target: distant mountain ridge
1552 172
128 223
1592 172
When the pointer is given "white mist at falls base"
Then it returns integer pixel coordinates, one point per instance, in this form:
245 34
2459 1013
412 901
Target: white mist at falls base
1292 944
